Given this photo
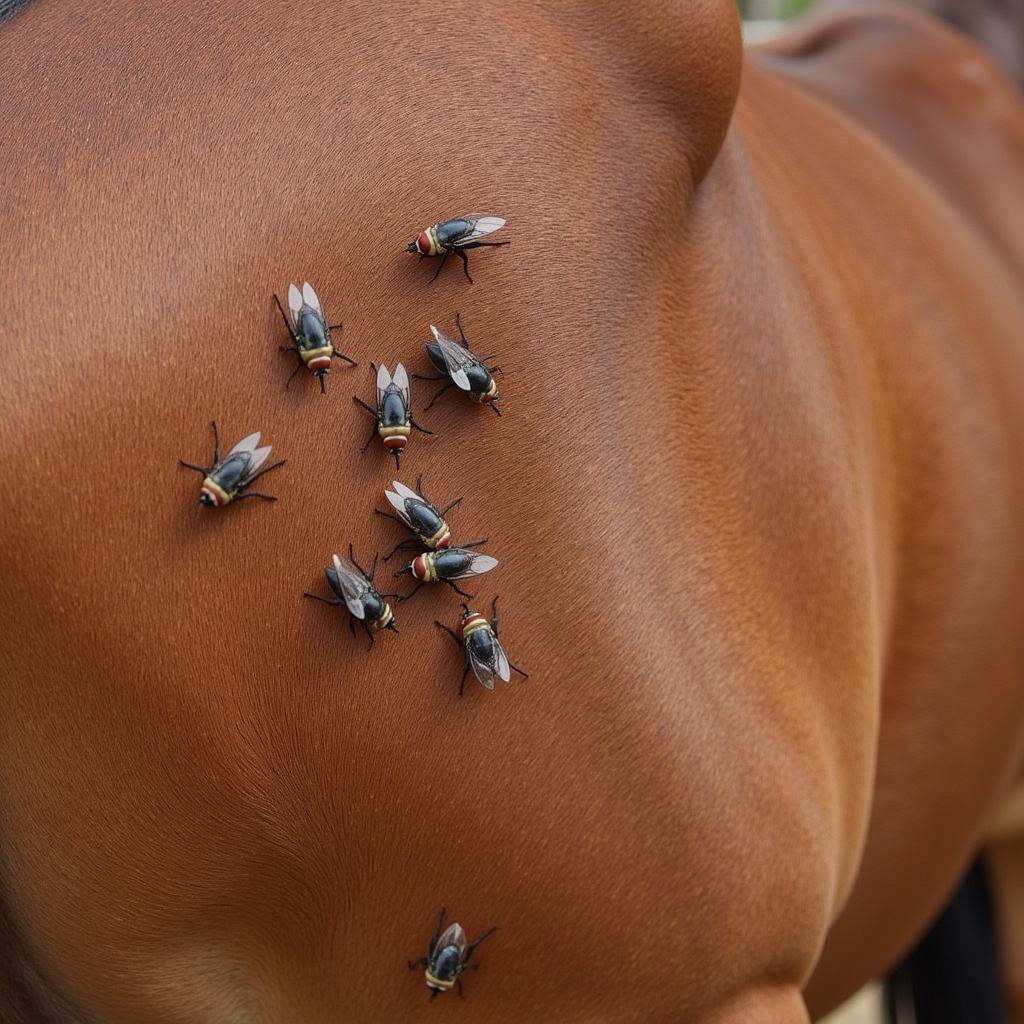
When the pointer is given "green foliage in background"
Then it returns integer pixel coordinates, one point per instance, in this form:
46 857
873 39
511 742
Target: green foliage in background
773 8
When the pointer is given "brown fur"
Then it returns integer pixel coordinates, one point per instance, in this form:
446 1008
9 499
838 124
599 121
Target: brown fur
757 498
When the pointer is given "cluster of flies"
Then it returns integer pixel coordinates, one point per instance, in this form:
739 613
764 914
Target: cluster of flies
228 479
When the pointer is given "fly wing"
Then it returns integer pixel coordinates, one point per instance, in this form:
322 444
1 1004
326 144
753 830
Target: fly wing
477 567
501 661
352 585
397 502
483 671
310 298
383 383
483 224
456 358
401 381
247 444
453 935
259 456
294 304
405 492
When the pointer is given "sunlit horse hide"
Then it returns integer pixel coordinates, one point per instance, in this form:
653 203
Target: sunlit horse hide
756 494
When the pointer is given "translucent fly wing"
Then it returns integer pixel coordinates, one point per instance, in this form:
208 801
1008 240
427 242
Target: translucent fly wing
453 935
405 492
352 586
477 567
483 224
455 357
501 661
397 503
259 456
247 444
401 381
481 670
310 298
383 383
294 304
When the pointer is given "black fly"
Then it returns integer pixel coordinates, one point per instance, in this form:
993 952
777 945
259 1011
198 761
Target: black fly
393 415
460 367
456 235
354 588
226 479
311 334
481 648
416 513
447 957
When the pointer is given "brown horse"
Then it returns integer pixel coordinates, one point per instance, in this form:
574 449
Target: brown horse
757 496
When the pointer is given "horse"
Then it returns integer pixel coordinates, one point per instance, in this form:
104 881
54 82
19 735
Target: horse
755 496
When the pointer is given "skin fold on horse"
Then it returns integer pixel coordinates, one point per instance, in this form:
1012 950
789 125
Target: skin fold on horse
757 497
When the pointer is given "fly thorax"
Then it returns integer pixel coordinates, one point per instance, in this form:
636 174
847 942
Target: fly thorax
374 605
445 966
425 520
392 410
230 473
312 332
450 231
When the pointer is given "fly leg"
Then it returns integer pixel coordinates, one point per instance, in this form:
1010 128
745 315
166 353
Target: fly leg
369 632
287 323
450 632
465 672
419 376
416 964
352 559
298 366
198 469
456 588
473 543
525 675
465 263
398 547
494 406
373 565
439 393
388 515
352 626
254 494
262 472
373 413
335 354
216 442
450 506
444 259
405 597
422 430
494 616
323 600
473 945
462 333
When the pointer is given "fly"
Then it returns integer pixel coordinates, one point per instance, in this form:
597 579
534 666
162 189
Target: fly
354 588
418 515
481 648
311 334
393 414
225 480
458 365
447 957
447 566
456 235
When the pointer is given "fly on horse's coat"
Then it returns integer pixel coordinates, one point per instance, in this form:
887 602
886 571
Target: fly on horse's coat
757 495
